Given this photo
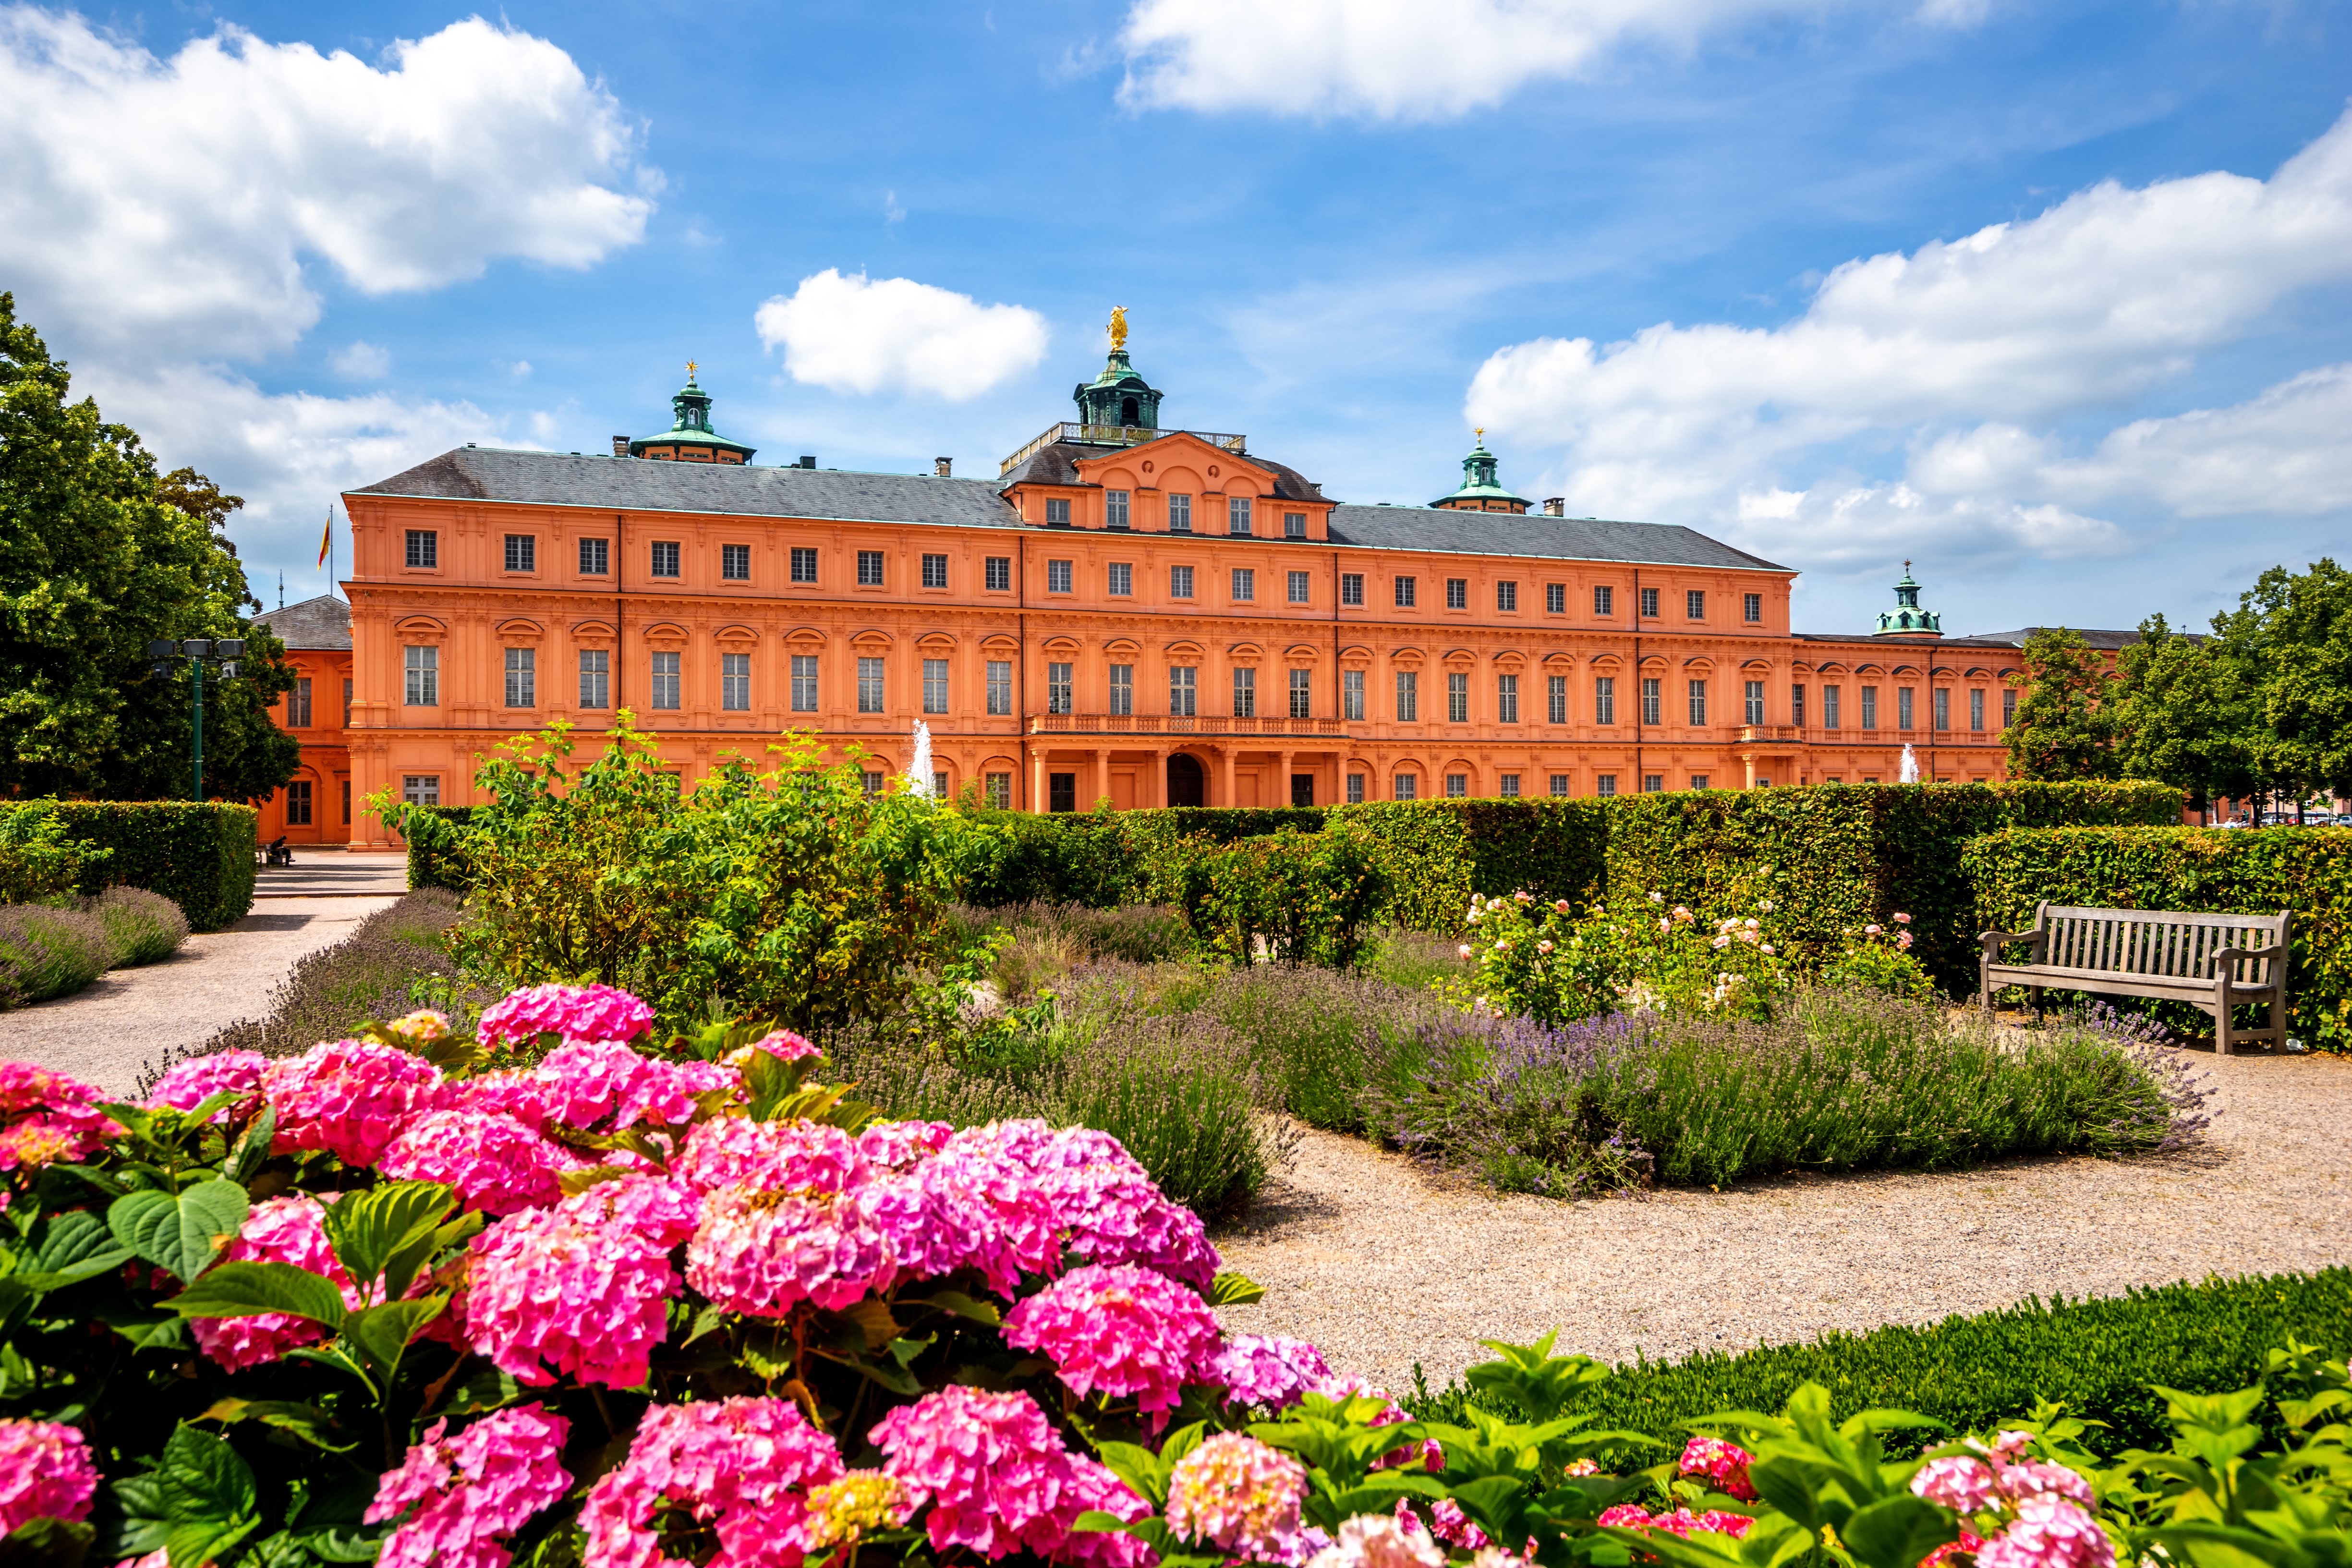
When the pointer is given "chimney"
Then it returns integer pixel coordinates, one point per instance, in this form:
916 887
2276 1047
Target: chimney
1555 506
620 446
943 466
807 461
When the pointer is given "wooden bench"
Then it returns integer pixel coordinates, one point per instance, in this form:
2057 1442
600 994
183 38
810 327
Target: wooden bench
2212 961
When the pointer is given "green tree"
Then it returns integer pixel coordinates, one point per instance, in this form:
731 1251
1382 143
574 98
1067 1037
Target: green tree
2066 724
99 554
2307 686
2183 716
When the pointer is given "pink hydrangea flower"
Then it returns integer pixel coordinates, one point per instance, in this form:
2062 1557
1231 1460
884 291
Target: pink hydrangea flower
1432 1457
1901 919
1267 1370
47 1117
1121 1330
1236 1493
894 1146
787 1044
277 1230
1967 1544
189 1084
1449 1524
762 1251
784 1156
2034 1477
469 1491
606 1084
575 1012
556 1292
1680 1522
496 1163
967 1206
1958 1482
2049 1531
1724 1464
997 1478
522 1093
1378 1541
1096 1485
46 1472
743 1466
1106 1202
348 1097
665 1213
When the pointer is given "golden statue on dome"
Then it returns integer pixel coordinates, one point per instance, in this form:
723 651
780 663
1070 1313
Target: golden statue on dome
1119 326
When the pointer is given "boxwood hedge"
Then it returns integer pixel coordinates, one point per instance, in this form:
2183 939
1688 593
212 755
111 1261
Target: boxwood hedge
198 854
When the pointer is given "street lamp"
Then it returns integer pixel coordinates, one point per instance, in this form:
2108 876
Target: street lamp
198 651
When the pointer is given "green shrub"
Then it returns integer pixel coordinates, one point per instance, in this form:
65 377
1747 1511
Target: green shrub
436 859
39 861
2205 870
1298 899
47 952
142 927
1437 853
1103 858
2095 1357
198 854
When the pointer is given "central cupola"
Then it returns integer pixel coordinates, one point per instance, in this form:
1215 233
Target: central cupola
1907 619
689 438
1118 399
1481 491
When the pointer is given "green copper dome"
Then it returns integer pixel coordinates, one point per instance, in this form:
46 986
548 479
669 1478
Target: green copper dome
1118 397
690 407
1479 484
1907 619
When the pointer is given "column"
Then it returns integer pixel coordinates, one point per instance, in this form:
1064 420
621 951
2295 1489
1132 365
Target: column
1098 776
1224 775
1037 799
1282 781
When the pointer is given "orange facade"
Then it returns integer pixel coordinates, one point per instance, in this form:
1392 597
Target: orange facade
1143 616
317 805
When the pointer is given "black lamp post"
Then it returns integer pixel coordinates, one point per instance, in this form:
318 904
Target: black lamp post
198 651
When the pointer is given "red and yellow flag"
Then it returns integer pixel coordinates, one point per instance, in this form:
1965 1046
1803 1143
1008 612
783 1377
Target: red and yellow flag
327 537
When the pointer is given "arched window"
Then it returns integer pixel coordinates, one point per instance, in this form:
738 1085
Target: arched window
1127 411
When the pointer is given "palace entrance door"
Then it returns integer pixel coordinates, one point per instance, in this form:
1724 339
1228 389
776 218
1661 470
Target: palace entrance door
1186 785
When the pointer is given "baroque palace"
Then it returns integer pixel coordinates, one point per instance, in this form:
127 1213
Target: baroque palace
1150 615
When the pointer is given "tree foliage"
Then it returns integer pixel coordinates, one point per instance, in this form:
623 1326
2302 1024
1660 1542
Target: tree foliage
2066 726
99 554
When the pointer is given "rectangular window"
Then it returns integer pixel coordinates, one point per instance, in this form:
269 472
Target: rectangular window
1058 576
1507 698
1698 780
298 704
666 681
1976 710
1405 586
522 552
1755 702
420 789
523 677
1695 604
1245 694
1604 601
346 800
804 683
297 803
664 558
1408 684
1115 508
935 570
1560 784
1237 515
1457 593
1183 691
1355 789
869 685
422 669
1604 784
1122 689
1556 699
1942 709
939 783
1245 585
1555 598
1180 514
997 574
1653 706
1000 686
1294 525
869 569
1653 783
1180 582
1604 700
1796 705
1752 608
1830 695
1122 580
1457 786
1506 595
735 564
1351 695
804 563
1698 701
1300 587
735 682
595 557
1000 791
595 678
2008 708
1903 707
1351 587
1057 514
1649 609
424 552
873 779
1508 786
935 686
1870 708
1302 694
1457 698
1408 786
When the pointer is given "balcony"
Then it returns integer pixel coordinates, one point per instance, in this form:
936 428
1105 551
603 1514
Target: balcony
1771 734
1112 435
1183 724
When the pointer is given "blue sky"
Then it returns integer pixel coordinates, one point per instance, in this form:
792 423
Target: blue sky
1724 263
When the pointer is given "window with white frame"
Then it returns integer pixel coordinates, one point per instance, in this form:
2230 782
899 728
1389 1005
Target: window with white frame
1057 514
1000 791
1698 702
1652 702
1179 513
595 557
1457 786
1507 785
1301 586
523 677
804 683
1407 786
1122 689
735 682
997 574
935 570
1560 784
735 563
424 550
1245 694
1122 580
1695 604
1180 582
1755 695
935 686
421 668
1507 698
1408 693
1245 585
1457 593
1115 508
595 678
869 569
298 704
664 558
1404 592
1604 700
804 563
1000 686
869 684
1458 696
1302 694
1976 710
1351 695
1351 587
1506 596
1355 789
1237 516
1752 608
1059 576
666 681
522 552
1183 691
420 789
1058 684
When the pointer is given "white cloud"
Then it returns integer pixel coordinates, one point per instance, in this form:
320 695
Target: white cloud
851 334
168 207
1966 354
1393 59
361 362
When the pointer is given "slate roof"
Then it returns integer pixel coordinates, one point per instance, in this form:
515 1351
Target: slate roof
2098 639
1918 645
1537 536
324 622
1056 464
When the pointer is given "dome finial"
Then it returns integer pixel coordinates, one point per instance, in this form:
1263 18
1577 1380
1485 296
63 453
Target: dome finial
690 373
1119 326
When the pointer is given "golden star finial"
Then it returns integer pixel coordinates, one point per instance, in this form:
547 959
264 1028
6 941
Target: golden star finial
1480 435
1119 326
690 373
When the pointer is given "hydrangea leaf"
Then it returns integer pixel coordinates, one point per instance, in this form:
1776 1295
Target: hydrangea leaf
179 1232
208 1495
1896 1531
75 1246
368 1230
245 1290
45 1542
1231 1290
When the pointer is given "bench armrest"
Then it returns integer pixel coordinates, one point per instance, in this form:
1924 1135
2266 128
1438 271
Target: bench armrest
1990 941
2232 954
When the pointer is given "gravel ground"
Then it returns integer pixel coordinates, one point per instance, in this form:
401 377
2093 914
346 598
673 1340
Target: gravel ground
1383 1265
105 1034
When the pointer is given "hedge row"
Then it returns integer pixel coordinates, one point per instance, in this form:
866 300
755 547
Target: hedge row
1437 853
198 854
434 858
2306 870
2095 1357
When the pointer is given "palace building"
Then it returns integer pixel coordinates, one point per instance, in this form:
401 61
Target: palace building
1125 612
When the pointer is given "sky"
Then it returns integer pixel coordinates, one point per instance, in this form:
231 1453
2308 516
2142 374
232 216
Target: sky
2053 300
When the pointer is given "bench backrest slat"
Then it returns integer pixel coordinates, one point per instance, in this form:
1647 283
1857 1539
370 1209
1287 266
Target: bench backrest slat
2168 942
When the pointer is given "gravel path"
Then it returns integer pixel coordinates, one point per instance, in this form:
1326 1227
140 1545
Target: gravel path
105 1034
1383 1265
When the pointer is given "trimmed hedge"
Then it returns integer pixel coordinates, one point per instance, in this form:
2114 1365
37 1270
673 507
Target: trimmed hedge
1436 853
2216 870
2095 1356
198 854
1105 858
434 859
